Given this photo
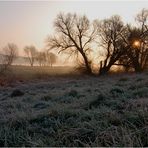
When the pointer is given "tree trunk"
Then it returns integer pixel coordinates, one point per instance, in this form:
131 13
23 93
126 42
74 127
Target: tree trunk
87 65
104 70
137 68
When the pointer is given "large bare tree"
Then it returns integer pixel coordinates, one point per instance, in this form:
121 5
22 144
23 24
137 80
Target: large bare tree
110 33
73 34
137 43
31 53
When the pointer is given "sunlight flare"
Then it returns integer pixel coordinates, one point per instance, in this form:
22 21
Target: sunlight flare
136 43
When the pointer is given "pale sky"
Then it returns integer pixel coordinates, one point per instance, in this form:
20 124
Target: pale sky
29 22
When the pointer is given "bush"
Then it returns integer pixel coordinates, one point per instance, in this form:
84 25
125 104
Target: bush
17 93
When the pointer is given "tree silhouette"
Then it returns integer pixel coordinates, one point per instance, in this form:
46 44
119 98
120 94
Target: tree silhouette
9 53
110 33
137 44
74 34
41 58
31 53
51 58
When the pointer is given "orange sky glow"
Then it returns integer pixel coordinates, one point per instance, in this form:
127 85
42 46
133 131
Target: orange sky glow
29 22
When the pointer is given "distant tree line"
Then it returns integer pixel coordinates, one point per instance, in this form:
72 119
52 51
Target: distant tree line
121 44
10 52
44 58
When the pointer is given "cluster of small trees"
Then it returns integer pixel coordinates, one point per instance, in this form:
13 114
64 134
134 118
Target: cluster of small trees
10 52
44 58
121 44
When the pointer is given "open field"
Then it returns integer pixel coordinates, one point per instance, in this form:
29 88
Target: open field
75 111
26 73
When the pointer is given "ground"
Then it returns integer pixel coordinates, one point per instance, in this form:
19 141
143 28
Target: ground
76 110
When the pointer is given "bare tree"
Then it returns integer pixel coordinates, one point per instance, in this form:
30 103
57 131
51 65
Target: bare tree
142 19
74 34
51 58
110 33
9 53
137 43
31 53
41 58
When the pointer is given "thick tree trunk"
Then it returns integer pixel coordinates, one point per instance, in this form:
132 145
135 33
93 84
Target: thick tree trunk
104 70
87 65
137 68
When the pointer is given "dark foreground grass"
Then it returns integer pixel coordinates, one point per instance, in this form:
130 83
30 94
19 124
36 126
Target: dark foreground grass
88 111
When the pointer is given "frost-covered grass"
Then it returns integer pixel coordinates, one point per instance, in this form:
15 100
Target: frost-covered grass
76 111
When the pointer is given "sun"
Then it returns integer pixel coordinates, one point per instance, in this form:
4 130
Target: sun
136 43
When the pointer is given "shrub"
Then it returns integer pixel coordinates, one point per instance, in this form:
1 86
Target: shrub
17 93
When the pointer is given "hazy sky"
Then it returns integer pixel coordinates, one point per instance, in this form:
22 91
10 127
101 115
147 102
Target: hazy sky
29 22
